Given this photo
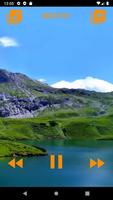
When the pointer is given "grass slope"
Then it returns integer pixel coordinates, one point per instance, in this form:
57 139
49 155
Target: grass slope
52 125
57 125
9 148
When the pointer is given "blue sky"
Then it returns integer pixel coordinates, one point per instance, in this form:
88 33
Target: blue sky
59 49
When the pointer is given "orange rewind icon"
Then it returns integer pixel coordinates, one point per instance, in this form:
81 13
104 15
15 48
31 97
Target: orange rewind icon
13 163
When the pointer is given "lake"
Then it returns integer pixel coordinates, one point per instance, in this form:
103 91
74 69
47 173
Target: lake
75 172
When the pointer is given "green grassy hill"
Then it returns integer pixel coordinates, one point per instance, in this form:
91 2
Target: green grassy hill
12 149
62 126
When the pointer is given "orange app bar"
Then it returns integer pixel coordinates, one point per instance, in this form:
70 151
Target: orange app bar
60 163
52 161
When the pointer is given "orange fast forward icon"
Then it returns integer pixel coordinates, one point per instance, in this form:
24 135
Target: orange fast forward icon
99 163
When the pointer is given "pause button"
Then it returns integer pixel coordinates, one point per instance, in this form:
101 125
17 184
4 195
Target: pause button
53 159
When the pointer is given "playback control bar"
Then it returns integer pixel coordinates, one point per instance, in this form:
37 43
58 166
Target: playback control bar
56 3
56 193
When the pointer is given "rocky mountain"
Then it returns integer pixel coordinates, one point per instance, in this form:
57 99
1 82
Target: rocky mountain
22 97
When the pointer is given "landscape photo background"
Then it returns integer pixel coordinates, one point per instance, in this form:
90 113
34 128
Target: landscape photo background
56 95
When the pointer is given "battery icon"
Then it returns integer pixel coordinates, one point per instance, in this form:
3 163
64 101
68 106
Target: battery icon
107 3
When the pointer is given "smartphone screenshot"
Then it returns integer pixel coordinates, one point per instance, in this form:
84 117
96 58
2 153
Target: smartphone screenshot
56 99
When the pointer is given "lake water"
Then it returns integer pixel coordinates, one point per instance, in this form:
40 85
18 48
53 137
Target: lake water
75 172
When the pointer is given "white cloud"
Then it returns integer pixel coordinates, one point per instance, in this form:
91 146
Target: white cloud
42 80
88 83
8 42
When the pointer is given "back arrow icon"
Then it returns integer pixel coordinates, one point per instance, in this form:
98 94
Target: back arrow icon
25 193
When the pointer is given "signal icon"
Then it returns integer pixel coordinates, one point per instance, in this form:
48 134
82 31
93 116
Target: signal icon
98 2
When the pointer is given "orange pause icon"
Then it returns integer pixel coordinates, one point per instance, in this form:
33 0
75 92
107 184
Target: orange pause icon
52 161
